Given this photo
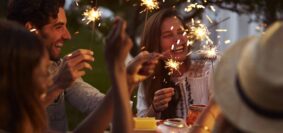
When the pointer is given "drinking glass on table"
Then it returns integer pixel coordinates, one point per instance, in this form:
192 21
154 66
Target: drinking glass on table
194 112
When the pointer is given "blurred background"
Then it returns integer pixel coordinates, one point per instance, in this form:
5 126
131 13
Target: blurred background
227 22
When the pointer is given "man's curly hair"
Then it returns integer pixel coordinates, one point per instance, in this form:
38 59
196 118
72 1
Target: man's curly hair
38 12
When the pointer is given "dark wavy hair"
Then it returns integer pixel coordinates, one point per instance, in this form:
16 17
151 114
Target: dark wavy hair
20 53
151 42
38 12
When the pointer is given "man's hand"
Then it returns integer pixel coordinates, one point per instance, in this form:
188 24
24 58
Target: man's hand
141 67
73 67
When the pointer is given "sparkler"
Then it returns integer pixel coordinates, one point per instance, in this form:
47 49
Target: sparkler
172 65
91 15
150 4
194 6
211 53
198 31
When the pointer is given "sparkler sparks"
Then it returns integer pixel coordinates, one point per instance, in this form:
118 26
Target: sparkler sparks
221 30
227 41
212 8
199 31
211 53
150 4
77 2
207 53
172 65
209 19
194 6
91 15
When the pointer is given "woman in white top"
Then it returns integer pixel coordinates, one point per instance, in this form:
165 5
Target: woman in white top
165 94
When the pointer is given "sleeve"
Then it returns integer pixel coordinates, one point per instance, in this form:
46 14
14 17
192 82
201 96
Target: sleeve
142 107
83 96
212 67
210 82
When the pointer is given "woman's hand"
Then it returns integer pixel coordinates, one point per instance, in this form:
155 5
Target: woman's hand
161 99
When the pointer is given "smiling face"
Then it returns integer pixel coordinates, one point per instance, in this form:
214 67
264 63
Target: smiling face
172 40
54 34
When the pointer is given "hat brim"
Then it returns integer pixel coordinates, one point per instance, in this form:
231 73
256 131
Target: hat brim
226 94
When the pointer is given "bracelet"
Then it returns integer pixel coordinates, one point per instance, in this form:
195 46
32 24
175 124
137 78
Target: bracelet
154 109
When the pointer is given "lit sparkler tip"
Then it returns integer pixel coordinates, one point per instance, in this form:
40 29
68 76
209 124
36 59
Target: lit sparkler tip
91 15
198 31
211 53
150 4
172 64
201 32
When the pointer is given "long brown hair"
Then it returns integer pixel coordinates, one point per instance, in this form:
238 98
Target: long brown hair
151 42
20 54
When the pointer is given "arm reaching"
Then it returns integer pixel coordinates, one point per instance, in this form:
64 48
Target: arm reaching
117 47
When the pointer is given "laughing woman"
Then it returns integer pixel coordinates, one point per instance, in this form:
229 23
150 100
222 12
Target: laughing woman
168 96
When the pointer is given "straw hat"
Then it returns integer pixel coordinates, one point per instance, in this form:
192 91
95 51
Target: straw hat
249 82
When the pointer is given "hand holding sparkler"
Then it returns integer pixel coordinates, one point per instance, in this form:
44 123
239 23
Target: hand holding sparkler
118 45
161 99
73 67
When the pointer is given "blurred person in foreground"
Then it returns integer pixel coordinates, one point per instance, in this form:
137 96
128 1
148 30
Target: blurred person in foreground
248 87
47 19
25 80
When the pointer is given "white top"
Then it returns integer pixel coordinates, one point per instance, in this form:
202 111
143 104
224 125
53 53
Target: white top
197 90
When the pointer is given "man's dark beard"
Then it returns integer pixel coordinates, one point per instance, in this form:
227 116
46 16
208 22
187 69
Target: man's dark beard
53 58
44 37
